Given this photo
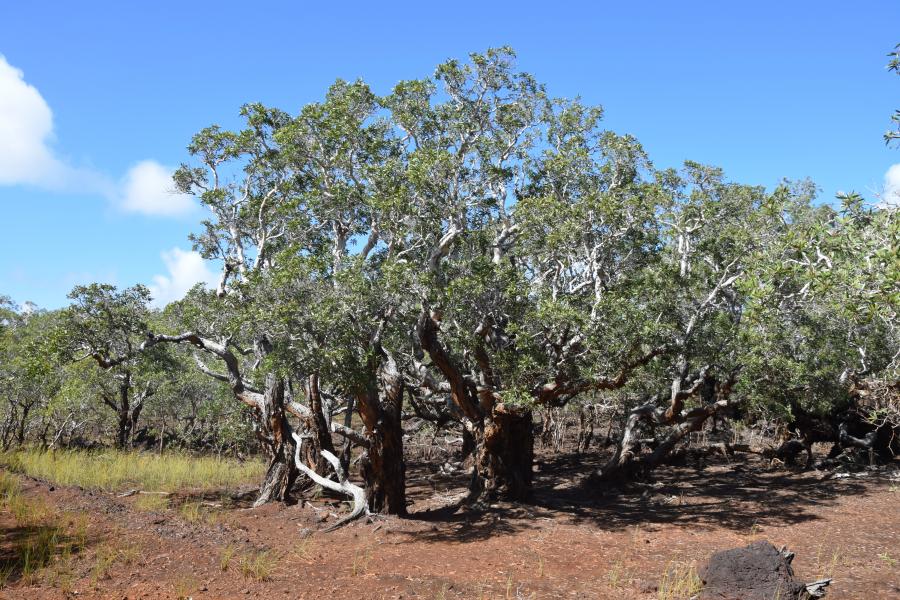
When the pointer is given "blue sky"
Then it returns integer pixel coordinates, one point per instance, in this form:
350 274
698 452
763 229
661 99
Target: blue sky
99 99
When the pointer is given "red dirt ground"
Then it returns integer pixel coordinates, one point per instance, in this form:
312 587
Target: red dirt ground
571 542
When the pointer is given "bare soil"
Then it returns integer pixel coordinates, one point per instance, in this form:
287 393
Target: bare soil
573 541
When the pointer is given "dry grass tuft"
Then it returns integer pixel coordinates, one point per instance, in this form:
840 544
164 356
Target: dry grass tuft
258 566
679 582
361 559
184 586
113 471
109 555
226 556
151 503
44 541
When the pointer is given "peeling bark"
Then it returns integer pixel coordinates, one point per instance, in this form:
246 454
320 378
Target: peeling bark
384 468
282 470
316 425
505 457
502 436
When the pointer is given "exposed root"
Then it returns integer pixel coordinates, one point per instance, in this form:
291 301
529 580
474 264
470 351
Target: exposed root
342 485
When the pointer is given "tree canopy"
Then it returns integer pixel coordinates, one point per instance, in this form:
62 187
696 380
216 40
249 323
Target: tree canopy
463 251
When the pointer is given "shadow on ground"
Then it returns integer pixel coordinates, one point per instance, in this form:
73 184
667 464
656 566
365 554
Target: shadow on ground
738 494
25 549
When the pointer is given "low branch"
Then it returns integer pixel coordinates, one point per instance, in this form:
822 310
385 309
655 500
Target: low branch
624 458
351 434
549 392
460 390
241 390
297 409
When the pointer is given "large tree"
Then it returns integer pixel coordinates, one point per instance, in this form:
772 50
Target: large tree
821 341
555 261
474 246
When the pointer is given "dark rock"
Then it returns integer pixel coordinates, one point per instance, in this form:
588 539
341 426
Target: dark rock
757 572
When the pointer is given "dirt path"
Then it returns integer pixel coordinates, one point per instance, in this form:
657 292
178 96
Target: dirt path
617 546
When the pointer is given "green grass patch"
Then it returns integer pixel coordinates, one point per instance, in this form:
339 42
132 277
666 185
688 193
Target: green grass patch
116 471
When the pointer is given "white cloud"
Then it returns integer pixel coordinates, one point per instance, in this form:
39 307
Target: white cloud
891 193
148 189
27 157
26 133
186 269
26 127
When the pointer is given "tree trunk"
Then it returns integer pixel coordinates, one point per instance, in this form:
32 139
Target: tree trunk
281 472
503 435
693 421
627 462
586 417
316 427
546 427
8 427
274 428
622 462
23 422
384 469
504 455
124 430
468 444
347 450
280 476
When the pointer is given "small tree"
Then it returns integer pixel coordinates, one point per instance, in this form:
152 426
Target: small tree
110 326
30 371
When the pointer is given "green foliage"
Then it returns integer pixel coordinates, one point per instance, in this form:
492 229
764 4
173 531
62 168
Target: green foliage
31 373
825 306
892 135
558 262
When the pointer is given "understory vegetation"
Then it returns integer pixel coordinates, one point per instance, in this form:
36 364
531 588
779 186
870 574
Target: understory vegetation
464 267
